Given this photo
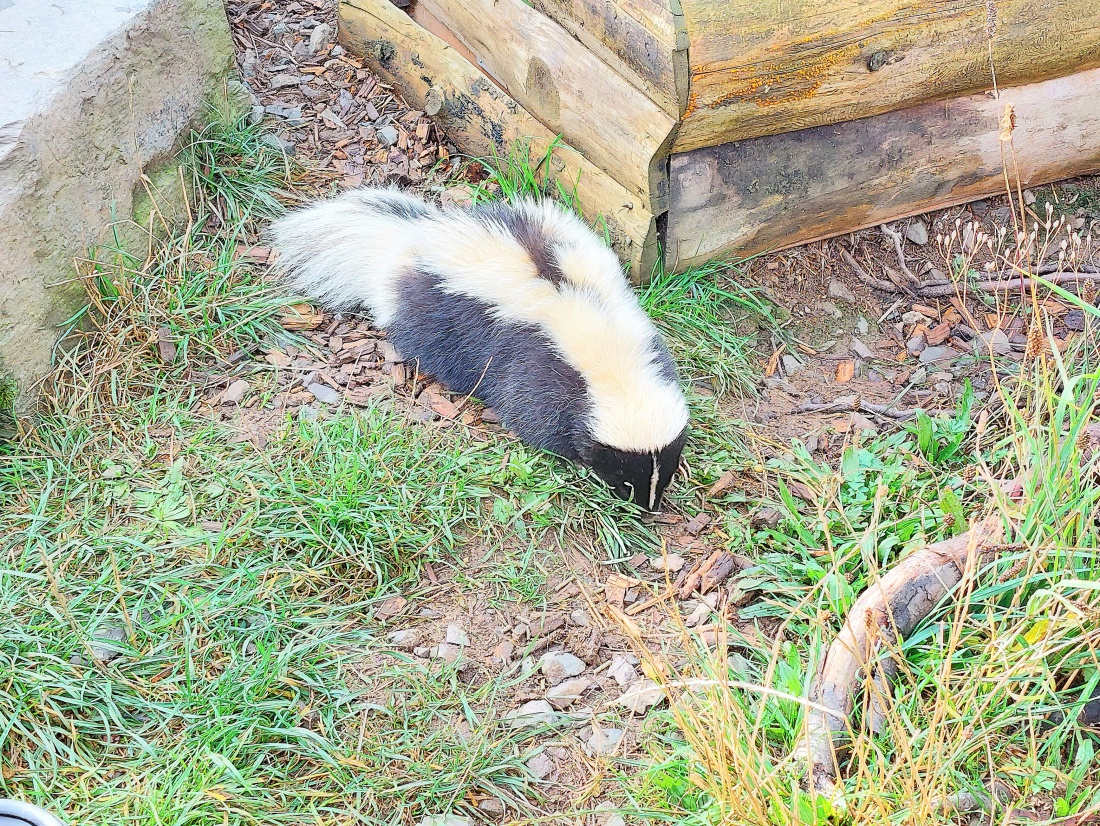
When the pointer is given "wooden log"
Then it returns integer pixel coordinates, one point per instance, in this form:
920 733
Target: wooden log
569 90
481 119
765 68
778 191
643 40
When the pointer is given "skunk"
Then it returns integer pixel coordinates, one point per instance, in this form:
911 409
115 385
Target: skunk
518 304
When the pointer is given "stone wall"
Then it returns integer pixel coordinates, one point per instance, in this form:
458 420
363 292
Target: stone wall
93 94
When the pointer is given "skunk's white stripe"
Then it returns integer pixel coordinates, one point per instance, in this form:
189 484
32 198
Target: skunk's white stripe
653 482
353 249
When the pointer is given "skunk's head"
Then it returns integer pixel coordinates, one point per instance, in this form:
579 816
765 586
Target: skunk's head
641 477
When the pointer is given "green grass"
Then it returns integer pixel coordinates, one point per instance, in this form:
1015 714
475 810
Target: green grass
1017 645
238 586
237 177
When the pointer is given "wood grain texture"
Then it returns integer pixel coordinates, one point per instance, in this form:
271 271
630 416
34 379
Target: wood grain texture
570 90
765 68
643 40
481 119
778 191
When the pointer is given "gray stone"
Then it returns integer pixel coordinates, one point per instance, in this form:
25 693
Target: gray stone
291 114
308 413
387 135
917 232
456 636
840 290
916 344
605 740
85 111
565 694
931 355
580 617
560 666
275 142
285 81
641 696
1075 320
792 366
443 820
540 765
860 349
919 376
994 340
337 50
446 652
863 326
319 37
112 633
235 392
534 713
323 393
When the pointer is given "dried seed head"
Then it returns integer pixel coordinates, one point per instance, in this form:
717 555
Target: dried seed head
1034 340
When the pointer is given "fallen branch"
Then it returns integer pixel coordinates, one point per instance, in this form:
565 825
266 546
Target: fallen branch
1011 282
1004 282
856 404
888 610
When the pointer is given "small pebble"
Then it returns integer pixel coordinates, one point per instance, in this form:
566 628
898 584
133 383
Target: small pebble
534 713
235 392
605 740
565 694
456 636
387 135
641 696
284 81
994 340
917 232
840 290
560 666
668 562
323 393
540 765
319 37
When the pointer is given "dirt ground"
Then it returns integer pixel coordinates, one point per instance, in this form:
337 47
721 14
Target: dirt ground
867 344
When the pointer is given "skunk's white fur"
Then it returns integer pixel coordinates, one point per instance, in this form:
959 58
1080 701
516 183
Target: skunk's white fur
352 251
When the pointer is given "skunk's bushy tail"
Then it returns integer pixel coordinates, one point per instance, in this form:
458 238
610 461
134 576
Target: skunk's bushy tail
347 252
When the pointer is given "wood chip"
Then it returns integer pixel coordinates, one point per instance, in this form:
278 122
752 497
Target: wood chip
697 523
301 317
845 370
391 608
166 348
938 334
724 481
616 587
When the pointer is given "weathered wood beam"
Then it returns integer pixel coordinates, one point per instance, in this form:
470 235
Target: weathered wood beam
744 197
569 90
481 119
643 40
765 68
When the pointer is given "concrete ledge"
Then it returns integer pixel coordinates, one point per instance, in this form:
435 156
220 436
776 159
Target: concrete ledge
94 94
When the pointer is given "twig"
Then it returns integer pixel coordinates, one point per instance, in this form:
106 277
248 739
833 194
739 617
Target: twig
855 403
866 278
895 236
